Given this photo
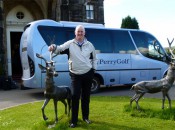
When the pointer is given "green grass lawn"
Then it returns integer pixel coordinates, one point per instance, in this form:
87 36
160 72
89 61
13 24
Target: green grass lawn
106 113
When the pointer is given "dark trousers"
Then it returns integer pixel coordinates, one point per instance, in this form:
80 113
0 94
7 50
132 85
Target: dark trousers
81 87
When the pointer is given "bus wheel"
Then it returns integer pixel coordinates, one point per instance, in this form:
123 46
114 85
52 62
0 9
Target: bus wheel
165 75
95 85
22 87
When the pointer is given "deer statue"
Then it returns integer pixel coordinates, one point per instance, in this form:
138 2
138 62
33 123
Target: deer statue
163 85
57 93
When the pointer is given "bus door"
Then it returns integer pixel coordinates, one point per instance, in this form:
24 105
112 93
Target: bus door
145 68
149 61
140 69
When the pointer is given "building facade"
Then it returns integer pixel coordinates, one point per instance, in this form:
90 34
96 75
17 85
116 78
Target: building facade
15 14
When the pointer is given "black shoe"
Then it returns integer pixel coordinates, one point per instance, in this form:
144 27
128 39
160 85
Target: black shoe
72 125
87 121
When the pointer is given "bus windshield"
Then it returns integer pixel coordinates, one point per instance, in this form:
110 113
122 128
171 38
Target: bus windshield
148 45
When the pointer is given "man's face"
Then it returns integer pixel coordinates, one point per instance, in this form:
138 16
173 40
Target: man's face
79 33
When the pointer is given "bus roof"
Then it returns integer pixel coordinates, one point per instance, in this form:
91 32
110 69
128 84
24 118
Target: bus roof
49 22
73 24
64 23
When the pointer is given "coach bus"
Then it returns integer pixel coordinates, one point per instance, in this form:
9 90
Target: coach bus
125 56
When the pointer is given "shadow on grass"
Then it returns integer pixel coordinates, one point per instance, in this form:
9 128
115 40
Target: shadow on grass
108 99
110 126
96 125
165 114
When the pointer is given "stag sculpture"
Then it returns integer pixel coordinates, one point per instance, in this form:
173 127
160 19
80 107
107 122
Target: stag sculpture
57 93
163 85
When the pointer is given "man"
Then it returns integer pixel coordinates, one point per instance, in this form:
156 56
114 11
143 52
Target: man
82 64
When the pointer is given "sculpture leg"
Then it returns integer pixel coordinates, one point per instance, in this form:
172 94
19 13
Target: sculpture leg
135 97
163 99
169 100
132 99
55 107
43 107
137 100
65 104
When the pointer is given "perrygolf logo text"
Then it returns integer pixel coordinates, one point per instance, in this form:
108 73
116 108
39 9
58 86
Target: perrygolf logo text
113 62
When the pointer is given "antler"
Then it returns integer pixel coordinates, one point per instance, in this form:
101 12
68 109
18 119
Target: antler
170 48
52 56
41 57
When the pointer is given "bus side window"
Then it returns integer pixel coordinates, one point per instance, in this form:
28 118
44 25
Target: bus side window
123 43
141 42
144 43
101 39
70 33
52 35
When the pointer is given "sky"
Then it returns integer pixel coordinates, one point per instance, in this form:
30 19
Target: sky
154 16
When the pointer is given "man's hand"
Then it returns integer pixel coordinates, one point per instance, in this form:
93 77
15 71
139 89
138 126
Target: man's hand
52 47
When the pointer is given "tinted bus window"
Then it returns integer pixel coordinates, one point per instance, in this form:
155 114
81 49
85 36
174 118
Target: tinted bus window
101 39
52 35
70 34
123 43
144 43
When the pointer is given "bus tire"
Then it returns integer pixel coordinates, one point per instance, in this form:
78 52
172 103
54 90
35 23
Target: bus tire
22 87
95 85
165 75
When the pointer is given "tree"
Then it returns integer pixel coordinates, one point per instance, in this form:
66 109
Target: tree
130 23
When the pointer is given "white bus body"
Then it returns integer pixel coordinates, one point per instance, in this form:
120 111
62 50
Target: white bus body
124 56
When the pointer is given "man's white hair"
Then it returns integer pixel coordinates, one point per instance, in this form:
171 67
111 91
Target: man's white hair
79 26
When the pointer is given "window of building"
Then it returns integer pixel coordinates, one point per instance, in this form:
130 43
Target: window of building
20 15
89 11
